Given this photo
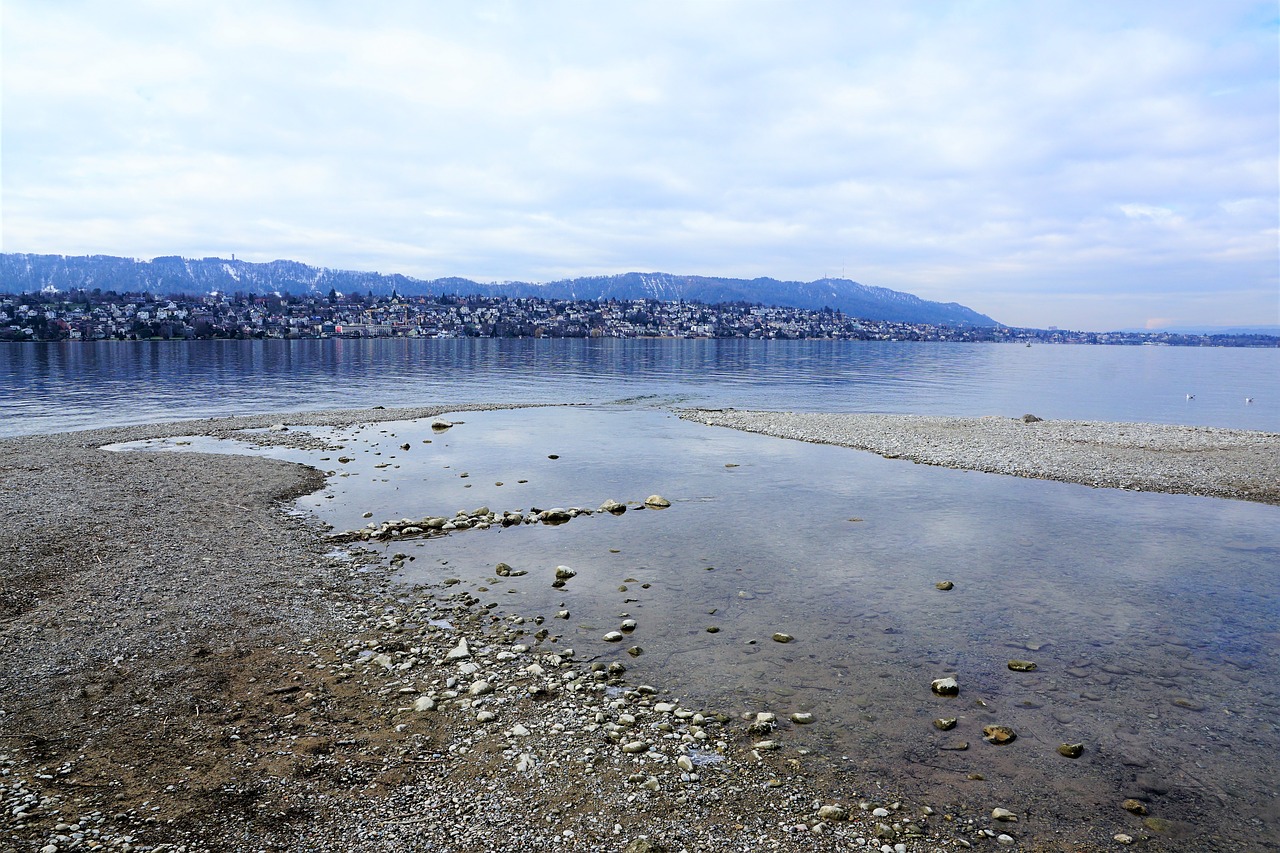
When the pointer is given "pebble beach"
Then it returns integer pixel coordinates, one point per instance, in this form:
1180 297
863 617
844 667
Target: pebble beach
192 665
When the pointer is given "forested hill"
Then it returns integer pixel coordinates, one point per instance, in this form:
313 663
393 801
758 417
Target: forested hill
22 273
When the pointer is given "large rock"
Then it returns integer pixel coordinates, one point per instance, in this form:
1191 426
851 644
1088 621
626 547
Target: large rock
656 502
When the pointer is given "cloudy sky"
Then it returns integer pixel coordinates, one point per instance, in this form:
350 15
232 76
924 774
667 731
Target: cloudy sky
1083 164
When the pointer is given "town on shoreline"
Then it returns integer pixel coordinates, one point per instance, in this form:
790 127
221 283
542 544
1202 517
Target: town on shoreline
92 315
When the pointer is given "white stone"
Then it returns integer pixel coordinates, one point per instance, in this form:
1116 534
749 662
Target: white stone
459 651
424 703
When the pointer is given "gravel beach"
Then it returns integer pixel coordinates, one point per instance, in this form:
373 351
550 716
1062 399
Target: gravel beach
1222 463
191 666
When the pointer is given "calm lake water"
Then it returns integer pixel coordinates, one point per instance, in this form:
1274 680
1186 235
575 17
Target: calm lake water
50 387
1154 619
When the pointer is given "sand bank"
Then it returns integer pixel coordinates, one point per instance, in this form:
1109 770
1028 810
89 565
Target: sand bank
1223 463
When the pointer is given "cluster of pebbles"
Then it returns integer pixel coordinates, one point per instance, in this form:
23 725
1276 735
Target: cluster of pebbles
1224 463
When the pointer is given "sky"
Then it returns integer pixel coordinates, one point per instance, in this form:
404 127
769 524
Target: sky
1081 164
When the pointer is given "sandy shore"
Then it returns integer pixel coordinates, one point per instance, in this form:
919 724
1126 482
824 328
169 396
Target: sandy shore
189 666
1222 463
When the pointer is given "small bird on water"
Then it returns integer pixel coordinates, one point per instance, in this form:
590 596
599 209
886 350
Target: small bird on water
1248 400
1191 396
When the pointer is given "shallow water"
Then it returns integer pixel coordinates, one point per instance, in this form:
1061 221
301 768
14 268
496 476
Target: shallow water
1152 618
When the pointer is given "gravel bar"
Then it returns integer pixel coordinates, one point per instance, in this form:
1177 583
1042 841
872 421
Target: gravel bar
1207 461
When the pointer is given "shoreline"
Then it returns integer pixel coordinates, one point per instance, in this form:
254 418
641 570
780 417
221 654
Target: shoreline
1171 459
191 666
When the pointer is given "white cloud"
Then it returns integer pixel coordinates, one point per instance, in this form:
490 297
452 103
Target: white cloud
1020 159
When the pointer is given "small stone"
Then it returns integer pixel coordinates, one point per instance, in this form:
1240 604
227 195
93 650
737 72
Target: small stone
1071 750
765 745
1121 838
1134 806
945 585
1004 815
480 688
635 651
563 573
635 746
643 845
1030 419
780 637
656 502
998 734
424 703
833 813
945 724
955 746
459 651
628 625
685 763
802 718
502 570
1005 840
945 686
519 731
614 507
486 717
1022 666
713 629
613 637
440 425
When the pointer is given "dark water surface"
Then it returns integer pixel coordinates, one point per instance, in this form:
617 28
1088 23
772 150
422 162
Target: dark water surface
52 387
1154 619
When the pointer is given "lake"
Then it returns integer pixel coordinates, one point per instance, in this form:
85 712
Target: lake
1153 619
59 386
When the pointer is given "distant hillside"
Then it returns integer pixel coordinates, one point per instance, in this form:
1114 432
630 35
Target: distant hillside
1273 331
21 273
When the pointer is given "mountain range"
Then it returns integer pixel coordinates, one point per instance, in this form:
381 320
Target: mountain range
28 273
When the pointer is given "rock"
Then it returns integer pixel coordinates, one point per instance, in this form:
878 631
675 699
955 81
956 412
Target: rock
526 763
459 651
440 425
999 734
1071 750
555 515
802 718
1134 806
424 703
685 763
634 747
945 686
780 637
635 651
563 573
1022 665
502 570
627 626
765 745
613 506
1005 840
519 731
944 724
833 813
656 502
613 637
955 746
1004 815
480 688
643 845
1030 419
486 717
1121 838
945 585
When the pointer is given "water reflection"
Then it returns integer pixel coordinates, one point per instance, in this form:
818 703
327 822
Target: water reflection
1152 618
47 387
